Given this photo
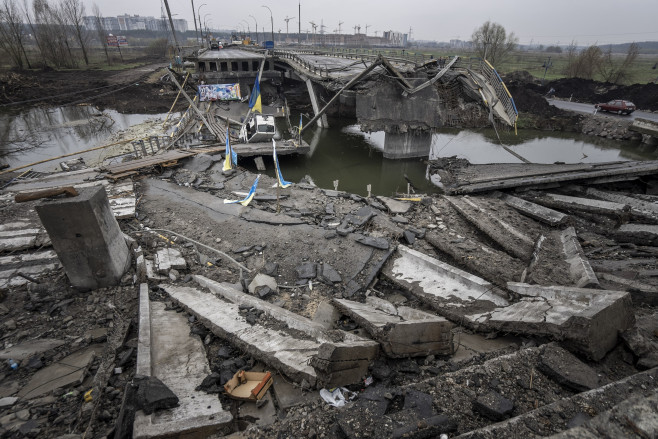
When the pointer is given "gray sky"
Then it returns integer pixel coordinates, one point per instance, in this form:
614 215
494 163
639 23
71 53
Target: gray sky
543 22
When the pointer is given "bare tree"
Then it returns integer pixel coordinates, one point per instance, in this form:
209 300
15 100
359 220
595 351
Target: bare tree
493 43
30 22
583 64
100 30
73 12
618 73
54 33
12 34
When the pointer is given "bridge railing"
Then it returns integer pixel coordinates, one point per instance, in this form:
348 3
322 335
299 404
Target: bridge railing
483 67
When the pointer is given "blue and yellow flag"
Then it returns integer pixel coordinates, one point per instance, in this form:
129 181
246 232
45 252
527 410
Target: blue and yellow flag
231 159
282 183
300 123
254 100
249 197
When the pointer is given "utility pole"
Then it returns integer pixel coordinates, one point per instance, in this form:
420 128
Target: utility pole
171 23
196 30
355 29
271 21
340 23
367 26
287 19
314 26
299 23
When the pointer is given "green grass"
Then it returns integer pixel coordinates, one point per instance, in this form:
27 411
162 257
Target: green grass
532 62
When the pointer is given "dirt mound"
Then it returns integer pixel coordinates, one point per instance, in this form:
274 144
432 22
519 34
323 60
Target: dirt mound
645 96
520 77
529 101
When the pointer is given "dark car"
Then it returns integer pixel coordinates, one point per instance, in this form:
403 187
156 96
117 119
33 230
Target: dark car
617 106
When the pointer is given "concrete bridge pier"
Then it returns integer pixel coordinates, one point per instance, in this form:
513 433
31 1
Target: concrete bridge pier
322 121
407 145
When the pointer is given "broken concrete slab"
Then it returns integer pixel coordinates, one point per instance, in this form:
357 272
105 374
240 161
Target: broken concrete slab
22 235
509 237
640 234
494 265
564 368
639 208
168 258
395 206
329 275
66 372
287 395
535 211
641 293
179 360
29 348
468 345
32 264
597 207
451 292
580 270
296 355
494 406
326 315
401 331
588 320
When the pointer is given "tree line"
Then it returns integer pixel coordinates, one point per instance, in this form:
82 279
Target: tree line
55 29
493 43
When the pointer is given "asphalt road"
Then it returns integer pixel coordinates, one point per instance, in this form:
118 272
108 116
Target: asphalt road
589 109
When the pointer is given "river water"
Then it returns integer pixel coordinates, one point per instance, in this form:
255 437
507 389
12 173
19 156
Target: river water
341 153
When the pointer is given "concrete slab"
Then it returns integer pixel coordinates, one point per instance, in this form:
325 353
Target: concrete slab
395 206
640 234
451 292
535 211
288 395
579 268
588 320
261 413
326 315
27 349
401 331
566 202
22 235
178 359
468 345
514 241
289 354
337 363
639 208
32 264
168 258
69 371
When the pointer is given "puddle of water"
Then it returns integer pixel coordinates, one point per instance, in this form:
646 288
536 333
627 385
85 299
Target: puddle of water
58 131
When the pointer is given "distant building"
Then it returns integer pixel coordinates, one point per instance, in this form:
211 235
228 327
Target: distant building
395 39
135 22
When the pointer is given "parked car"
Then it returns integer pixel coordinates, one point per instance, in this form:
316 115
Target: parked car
617 106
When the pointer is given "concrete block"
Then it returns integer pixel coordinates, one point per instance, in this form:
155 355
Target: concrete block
86 238
395 206
401 331
535 211
514 241
178 358
451 292
343 362
168 258
564 368
640 234
579 267
639 208
588 320
583 204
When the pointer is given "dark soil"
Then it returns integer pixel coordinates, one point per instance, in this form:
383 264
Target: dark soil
644 96
137 90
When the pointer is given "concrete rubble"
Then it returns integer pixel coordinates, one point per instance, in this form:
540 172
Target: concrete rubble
471 316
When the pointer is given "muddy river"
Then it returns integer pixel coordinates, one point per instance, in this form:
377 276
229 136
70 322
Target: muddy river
341 153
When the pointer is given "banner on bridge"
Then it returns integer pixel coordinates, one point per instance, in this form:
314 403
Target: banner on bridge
219 92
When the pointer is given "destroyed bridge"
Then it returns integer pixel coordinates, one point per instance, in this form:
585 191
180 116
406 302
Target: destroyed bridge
407 96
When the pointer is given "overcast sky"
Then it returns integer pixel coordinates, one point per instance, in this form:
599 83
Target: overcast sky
543 22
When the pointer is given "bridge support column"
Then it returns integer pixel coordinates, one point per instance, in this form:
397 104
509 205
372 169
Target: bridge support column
407 145
322 121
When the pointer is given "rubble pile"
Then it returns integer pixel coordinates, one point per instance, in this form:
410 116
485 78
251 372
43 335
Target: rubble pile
483 315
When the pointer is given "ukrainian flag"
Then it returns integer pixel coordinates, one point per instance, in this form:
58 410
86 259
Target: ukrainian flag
254 100
282 183
231 159
249 197
300 123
